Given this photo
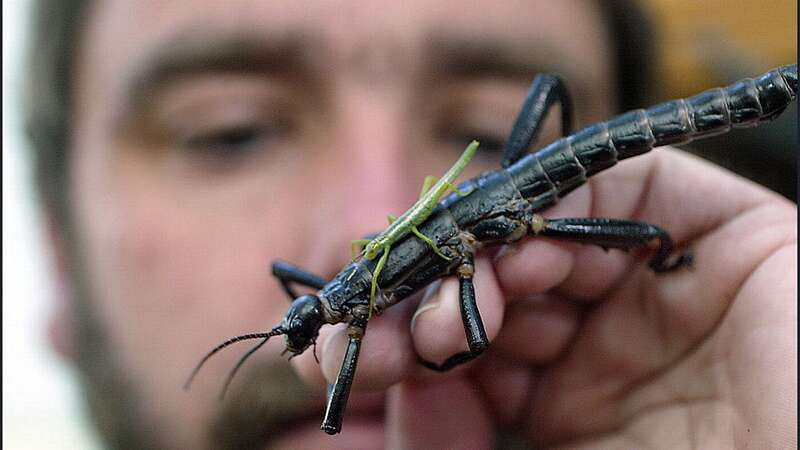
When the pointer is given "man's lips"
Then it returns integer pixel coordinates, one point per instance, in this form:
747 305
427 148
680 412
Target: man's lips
272 403
360 406
363 426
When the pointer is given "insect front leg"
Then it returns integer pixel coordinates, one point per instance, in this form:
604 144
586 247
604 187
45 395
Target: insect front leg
340 391
357 246
613 233
545 91
288 273
470 316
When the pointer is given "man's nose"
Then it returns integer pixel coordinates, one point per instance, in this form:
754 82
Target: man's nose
371 173
376 170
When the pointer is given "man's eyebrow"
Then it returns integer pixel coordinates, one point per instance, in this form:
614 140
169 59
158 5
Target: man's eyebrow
198 53
456 55
481 56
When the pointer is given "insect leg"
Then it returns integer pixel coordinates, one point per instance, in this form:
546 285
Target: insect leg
544 92
356 246
470 316
614 233
430 242
374 284
458 191
340 391
430 180
287 273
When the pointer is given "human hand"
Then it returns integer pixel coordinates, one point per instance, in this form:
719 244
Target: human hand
592 349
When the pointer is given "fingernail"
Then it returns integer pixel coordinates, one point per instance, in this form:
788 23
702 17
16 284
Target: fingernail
506 250
430 300
331 357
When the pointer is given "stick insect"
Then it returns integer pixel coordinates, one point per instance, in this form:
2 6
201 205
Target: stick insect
502 208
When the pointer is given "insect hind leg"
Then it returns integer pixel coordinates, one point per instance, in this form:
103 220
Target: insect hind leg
340 390
545 91
430 242
470 316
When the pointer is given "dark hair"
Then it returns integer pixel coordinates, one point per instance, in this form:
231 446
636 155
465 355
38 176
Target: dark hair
57 28
633 37
56 33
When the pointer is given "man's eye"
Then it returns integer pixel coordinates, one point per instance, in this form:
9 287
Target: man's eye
227 142
492 144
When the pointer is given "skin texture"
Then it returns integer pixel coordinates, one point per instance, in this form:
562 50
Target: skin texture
184 188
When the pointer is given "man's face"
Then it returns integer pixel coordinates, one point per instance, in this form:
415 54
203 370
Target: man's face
212 138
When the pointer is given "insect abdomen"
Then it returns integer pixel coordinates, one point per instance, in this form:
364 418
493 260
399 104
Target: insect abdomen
490 192
560 167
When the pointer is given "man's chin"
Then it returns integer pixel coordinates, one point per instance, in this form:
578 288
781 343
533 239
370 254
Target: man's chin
272 408
360 431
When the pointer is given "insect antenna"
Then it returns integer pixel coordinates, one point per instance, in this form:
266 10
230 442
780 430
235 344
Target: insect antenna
274 332
238 365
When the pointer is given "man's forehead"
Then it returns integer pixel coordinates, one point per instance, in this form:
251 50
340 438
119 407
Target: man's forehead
143 41
337 29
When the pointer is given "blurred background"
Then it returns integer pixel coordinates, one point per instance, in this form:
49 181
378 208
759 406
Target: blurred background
709 43
701 44
42 408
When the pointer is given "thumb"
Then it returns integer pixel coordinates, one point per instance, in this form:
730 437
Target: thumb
447 414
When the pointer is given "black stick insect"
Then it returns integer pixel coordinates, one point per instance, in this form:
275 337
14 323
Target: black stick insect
502 207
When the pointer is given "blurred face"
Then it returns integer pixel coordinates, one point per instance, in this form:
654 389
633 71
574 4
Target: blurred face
214 137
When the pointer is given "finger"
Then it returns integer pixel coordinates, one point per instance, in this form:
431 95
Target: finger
663 316
437 415
307 366
508 388
643 189
537 330
650 323
437 329
725 260
386 355
679 192
533 266
596 271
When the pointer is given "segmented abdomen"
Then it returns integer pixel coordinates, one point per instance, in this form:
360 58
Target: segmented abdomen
550 173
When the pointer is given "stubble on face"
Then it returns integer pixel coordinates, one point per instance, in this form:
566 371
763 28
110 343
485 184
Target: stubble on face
258 409
268 402
110 395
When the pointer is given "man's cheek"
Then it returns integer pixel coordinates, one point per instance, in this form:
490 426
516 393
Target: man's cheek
177 257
